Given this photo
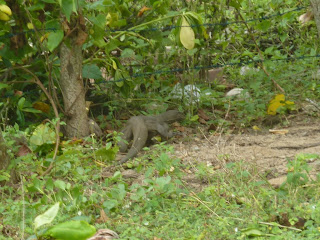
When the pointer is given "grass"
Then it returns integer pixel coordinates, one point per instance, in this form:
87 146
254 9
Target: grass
236 203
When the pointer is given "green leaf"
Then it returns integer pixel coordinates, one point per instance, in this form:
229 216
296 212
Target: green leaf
32 110
49 1
54 39
49 184
21 103
47 217
60 184
194 118
112 44
127 53
68 6
264 25
55 24
3 85
197 18
43 134
99 21
114 65
98 31
105 154
91 71
235 3
71 230
253 233
109 204
36 7
119 78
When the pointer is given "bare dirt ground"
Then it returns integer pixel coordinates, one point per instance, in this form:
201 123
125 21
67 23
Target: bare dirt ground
267 151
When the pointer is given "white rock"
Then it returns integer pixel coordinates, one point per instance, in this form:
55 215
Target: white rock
237 92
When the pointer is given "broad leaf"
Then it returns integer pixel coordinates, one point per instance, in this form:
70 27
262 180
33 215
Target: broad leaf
54 39
91 71
187 37
47 216
71 230
68 6
60 184
3 85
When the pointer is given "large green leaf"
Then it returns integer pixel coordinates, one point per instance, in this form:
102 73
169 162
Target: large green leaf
54 39
98 31
67 7
71 230
47 216
91 71
112 44
121 76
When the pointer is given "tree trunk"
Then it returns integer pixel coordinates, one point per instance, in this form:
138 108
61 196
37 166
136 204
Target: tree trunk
73 90
316 11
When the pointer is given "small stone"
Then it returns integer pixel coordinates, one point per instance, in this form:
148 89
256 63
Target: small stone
276 182
237 92
196 148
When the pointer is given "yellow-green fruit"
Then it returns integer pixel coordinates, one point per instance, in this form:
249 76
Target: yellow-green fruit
30 25
5 9
4 17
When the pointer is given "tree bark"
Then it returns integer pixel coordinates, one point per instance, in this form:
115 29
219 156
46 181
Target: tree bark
316 11
73 90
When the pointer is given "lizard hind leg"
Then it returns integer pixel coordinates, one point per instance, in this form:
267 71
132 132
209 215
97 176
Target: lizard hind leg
127 136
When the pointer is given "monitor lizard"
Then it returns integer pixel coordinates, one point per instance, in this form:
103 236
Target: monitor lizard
142 128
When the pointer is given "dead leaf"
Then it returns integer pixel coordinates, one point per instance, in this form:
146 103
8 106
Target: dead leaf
279 131
82 21
23 150
202 121
65 27
18 93
142 10
212 127
176 124
203 115
43 107
307 17
103 217
81 38
180 128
